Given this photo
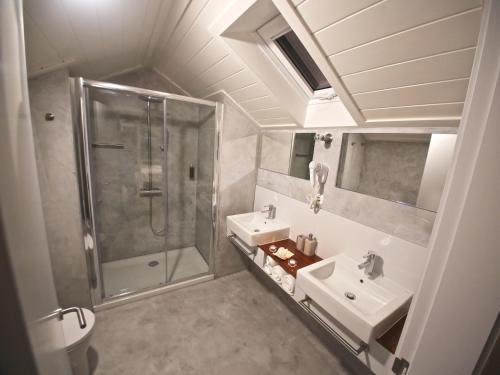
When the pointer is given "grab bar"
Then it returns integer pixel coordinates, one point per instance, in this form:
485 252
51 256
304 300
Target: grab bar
242 246
119 146
79 314
356 351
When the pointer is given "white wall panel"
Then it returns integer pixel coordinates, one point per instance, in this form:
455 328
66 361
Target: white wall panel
256 90
265 102
452 65
386 18
232 82
399 60
449 34
321 13
426 111
273 113
224 68
440 92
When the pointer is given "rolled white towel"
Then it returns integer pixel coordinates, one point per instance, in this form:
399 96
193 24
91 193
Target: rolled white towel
270 262
288 284
277 274
268 269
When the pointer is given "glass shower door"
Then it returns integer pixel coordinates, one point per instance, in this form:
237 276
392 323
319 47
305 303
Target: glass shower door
126 135
151 163
190 171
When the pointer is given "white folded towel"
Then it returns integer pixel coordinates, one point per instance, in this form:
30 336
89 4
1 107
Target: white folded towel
277 274
288 284
270 261
268 269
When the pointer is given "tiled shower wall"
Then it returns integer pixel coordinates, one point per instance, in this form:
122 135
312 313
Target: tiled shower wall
123 216
409 223
55 156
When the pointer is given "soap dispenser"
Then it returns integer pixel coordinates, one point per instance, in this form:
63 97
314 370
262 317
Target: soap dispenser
300 242
310 245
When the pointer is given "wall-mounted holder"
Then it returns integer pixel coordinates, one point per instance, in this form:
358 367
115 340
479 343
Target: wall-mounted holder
318 174
327 138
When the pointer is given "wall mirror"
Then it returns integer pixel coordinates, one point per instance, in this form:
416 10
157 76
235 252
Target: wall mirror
287 152
406 168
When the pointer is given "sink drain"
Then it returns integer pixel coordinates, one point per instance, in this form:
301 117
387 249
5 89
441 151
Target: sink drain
153 263
256 230
350 295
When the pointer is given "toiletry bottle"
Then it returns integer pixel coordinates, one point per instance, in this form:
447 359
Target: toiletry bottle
300 242
310 245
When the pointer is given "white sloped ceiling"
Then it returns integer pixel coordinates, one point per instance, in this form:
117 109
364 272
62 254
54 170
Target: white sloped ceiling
396 60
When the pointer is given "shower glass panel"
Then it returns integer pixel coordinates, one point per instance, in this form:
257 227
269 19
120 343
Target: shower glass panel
152 184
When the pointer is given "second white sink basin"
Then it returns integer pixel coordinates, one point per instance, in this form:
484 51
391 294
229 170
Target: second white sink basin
365 307
255 229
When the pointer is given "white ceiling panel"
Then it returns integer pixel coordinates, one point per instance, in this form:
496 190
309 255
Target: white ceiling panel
321 13
399 60
394 58
453 33
387 18
430 93
424 111
447 66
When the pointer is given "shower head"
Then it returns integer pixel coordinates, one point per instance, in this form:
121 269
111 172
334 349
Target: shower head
150 98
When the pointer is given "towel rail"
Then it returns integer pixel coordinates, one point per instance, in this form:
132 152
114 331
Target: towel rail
242 246
119 146
352 349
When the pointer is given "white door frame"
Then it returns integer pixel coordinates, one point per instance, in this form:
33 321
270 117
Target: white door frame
30 303
458 299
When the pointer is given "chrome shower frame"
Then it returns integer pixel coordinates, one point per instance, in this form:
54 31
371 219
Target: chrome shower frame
79 89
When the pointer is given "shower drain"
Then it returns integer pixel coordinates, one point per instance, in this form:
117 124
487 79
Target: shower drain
153 263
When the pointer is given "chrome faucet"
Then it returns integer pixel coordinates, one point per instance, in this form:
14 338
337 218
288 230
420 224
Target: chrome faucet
369 263
271 211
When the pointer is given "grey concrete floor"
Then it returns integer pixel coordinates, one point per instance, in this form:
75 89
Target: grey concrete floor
232 325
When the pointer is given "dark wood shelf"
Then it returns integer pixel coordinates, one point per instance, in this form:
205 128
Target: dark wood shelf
390 339
302 260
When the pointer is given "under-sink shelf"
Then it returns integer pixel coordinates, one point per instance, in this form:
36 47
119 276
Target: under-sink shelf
390 339
302 259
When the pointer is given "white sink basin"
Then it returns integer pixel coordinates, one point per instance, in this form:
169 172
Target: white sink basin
255 229
378 303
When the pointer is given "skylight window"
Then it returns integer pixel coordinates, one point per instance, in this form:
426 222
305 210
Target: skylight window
295 51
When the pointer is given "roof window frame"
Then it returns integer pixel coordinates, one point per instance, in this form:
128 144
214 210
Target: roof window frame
269 32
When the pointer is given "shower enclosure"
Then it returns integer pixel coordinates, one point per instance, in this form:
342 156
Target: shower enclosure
148 183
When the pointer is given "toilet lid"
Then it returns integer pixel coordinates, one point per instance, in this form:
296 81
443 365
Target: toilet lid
73 334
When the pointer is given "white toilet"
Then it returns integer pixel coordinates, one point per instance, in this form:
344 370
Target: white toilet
78 340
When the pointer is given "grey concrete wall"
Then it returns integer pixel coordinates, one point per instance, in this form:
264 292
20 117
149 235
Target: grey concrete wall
409 223
56 165
238 177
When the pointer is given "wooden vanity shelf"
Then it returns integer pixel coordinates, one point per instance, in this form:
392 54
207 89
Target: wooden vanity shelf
390 339
302 260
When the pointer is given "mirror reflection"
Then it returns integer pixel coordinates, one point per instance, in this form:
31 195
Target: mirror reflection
287 152
404 168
